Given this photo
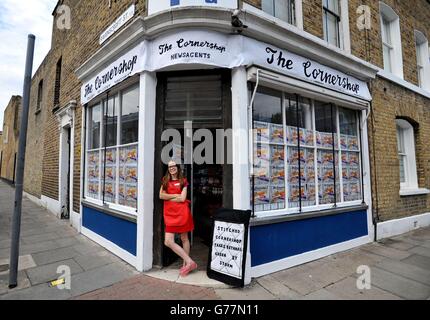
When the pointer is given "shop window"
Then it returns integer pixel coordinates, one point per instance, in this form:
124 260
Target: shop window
391 40
406 155
297 146
423 60
112 138
282 9
331 21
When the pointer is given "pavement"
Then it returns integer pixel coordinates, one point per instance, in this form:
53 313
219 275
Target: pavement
399 269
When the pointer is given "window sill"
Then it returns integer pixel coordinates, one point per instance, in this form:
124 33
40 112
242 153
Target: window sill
259 221
414 192
396 79
112 212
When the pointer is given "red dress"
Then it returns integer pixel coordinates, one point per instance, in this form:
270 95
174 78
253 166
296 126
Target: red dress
177 215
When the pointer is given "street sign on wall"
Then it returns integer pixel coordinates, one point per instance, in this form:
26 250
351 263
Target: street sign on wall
155 6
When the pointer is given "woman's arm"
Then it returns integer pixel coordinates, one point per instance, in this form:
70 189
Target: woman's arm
167 196
182 197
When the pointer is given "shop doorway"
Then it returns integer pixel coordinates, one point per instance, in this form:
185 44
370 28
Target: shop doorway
188 102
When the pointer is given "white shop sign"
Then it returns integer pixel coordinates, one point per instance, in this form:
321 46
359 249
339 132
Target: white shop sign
219 50
122 20
126 66
155 6
227 248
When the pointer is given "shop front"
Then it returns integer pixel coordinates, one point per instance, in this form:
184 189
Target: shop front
254 127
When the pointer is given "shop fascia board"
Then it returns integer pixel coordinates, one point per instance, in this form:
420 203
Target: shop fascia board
260 28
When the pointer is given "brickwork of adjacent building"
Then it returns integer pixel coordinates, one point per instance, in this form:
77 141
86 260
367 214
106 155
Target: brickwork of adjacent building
88 20
10 138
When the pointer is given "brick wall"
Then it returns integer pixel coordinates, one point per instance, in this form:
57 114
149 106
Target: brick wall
9 147
391 101
88 20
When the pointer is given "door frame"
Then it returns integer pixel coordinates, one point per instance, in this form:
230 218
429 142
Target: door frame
158 234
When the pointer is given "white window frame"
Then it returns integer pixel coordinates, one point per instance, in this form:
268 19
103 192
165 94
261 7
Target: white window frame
290 3
102 101
344 37
337 15
298 14
393 63
423 60
405 132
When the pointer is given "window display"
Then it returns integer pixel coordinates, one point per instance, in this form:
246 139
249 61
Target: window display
297 150
112 171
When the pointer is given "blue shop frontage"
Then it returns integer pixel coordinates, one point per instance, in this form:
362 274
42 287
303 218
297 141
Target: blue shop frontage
295 150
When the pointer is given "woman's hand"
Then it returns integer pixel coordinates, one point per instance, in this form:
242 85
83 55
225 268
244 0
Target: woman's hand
167 196
181 197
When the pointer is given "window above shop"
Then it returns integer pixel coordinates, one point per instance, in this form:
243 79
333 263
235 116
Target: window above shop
282 9
423 60
307 154
336 23
391 40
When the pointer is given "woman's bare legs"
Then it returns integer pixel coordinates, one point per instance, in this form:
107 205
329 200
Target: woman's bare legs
169 241
186 245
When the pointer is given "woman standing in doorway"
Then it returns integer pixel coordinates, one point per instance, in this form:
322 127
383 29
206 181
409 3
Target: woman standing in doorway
177 215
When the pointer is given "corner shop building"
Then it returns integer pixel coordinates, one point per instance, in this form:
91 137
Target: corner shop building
306 103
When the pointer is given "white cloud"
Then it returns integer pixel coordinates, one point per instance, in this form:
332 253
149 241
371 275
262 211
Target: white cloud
17 20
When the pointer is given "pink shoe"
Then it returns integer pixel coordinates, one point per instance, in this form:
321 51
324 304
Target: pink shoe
185 271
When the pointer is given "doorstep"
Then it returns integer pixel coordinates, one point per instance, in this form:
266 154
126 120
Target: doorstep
195 278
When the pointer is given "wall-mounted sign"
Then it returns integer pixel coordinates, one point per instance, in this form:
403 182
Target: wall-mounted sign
127 65
155 6
210 48
227 256
122 20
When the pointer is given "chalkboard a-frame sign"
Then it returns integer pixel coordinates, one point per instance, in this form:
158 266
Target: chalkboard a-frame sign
227 252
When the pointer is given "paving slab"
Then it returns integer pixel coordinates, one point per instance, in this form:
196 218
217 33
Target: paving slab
22 283
347 290
100 278
397 243
406 270
47 257
321 294
380 249
24 262
399 286
422 251
39 292
93 261
252 292
277 289
46 273
39 238
419 261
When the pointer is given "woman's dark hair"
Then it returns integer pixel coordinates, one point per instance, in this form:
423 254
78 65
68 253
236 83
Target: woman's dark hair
168 177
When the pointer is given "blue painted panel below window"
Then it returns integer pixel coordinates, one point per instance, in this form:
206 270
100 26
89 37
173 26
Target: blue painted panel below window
119 231
282 240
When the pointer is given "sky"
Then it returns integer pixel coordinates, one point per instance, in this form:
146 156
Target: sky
18 18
